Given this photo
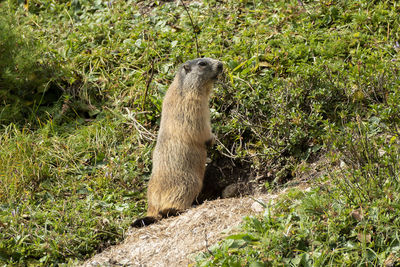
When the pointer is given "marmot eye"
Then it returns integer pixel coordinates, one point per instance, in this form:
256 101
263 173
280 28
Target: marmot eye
202 63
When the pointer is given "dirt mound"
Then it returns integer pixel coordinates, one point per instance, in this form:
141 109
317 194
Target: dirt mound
173 241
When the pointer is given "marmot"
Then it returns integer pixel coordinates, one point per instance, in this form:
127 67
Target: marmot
179 157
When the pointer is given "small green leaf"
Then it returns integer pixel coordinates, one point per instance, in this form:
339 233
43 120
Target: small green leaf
257 264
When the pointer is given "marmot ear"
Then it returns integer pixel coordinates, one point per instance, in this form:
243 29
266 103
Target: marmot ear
187 68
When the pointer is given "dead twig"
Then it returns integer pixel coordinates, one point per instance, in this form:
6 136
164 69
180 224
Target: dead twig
148 81
196 28
229 155
142 131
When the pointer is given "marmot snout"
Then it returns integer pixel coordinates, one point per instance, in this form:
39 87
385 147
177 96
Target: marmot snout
179 157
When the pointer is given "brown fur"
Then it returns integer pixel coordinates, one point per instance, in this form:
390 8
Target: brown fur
179 158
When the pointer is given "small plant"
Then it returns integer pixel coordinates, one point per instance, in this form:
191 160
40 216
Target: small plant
368 161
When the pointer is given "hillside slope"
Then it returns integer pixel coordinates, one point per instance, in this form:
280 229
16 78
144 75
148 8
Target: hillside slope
81 87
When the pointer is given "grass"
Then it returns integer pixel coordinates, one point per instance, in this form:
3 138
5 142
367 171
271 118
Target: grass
81 86
67 195
313 229
348 217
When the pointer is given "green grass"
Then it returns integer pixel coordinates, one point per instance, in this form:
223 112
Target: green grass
315 228
348 217
81 86
66 195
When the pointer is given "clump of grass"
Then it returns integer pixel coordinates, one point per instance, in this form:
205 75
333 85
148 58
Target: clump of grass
28 77
368 161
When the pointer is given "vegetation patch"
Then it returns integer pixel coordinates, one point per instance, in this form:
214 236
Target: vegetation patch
350 217
30 77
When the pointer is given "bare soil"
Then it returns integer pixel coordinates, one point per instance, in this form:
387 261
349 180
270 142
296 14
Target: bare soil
176 240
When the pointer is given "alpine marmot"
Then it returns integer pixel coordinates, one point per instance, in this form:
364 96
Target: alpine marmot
179 157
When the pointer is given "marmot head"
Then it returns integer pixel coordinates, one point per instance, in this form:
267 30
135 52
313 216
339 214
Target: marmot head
199 74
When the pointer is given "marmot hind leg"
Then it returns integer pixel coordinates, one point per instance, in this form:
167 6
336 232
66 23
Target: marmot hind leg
169 212
145 221
141 222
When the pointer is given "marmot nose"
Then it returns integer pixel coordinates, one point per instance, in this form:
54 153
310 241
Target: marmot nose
219 67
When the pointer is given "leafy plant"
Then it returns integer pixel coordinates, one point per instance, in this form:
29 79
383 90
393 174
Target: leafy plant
368 161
